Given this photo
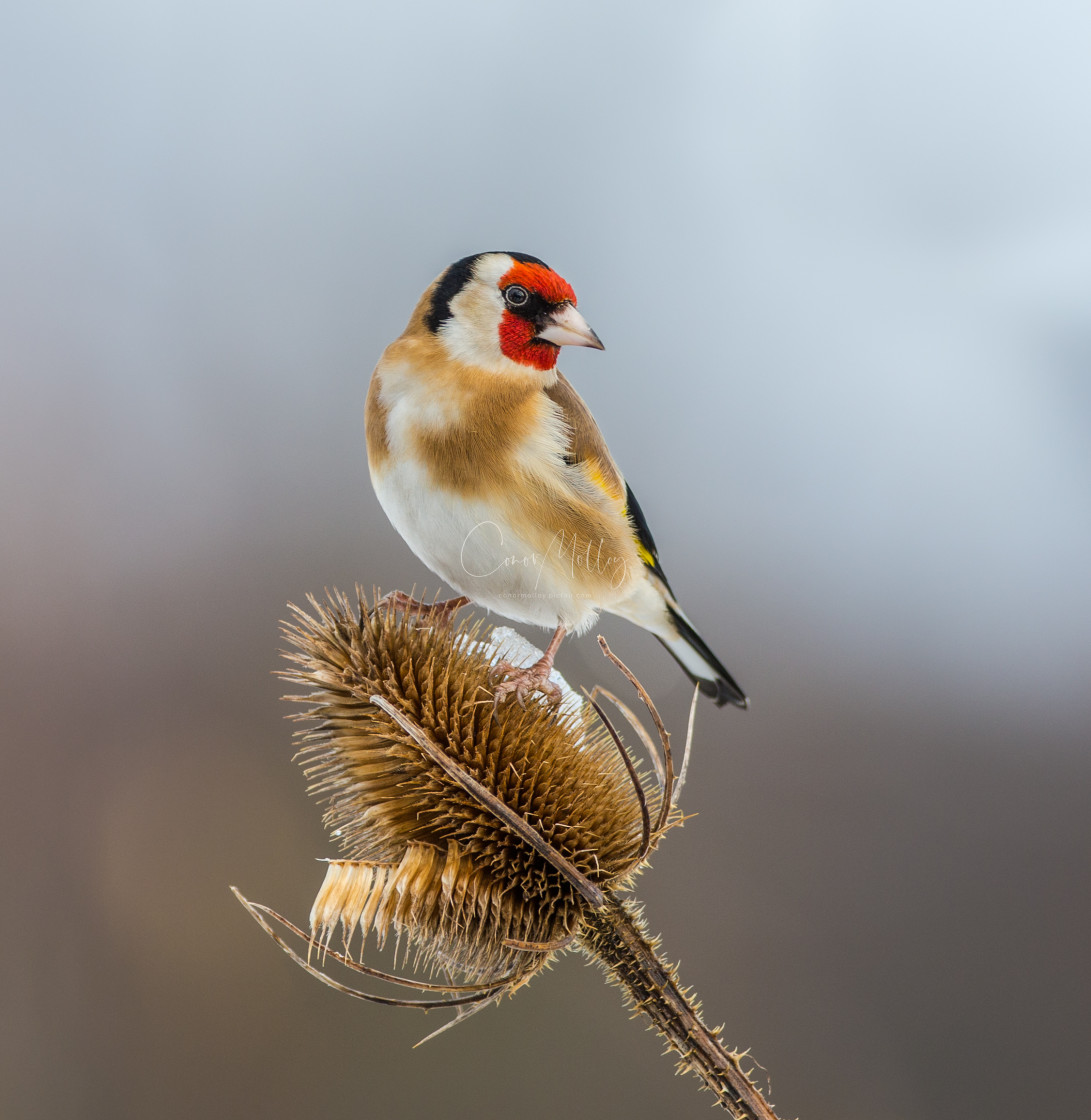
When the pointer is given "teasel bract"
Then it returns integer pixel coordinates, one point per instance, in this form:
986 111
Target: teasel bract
486 841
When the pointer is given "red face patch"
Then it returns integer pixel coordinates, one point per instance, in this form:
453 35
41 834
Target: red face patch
537 278
517 340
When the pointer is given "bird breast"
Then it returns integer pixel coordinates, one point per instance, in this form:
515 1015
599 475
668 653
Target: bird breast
475 480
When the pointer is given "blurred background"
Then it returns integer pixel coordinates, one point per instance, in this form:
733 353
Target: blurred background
840 256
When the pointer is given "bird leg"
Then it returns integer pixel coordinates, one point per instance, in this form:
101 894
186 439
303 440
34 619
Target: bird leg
442 610
534 678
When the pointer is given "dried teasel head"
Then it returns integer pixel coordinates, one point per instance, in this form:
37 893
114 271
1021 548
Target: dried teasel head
450 815
484 840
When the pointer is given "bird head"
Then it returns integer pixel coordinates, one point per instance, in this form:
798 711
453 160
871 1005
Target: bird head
494 308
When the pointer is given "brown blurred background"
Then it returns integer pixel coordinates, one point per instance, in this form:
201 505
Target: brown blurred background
841 261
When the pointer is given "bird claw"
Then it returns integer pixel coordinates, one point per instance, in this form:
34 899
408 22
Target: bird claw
511 680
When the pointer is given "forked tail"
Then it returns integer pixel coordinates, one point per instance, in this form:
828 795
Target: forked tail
701 665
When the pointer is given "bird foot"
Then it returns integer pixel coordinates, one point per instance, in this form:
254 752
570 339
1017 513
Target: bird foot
440 612
521 682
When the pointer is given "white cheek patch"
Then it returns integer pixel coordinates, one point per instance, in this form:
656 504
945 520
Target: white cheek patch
472 333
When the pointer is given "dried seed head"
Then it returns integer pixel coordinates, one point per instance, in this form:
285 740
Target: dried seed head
424 855
490 839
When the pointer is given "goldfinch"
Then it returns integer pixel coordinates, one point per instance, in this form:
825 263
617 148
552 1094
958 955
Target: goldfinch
494 471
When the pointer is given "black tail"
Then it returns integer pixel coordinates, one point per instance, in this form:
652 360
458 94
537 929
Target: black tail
713 678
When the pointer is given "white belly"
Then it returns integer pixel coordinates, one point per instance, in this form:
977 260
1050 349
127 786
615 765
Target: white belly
470 546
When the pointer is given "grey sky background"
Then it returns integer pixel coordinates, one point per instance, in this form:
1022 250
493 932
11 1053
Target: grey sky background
840 256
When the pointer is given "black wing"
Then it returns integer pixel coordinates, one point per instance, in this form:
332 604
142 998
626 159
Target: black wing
645 542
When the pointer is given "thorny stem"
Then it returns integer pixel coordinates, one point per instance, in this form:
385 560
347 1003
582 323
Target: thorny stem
613 935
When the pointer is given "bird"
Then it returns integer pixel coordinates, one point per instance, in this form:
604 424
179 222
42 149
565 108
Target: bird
493 470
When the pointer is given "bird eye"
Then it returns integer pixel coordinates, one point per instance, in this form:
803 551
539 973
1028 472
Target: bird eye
516 296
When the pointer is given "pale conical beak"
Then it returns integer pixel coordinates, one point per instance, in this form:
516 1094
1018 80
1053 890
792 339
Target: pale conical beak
567 327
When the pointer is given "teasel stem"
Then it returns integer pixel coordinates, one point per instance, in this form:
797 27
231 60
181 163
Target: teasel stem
614 935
